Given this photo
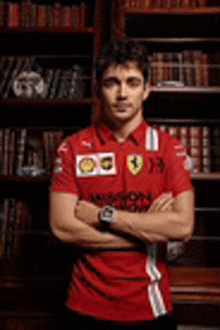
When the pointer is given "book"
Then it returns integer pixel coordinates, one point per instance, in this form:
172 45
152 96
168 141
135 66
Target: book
6 73
83 13
205 70
41 21
16 70
206 149
197 55
53 90
21 146
14 15
33 15
2 14
57 15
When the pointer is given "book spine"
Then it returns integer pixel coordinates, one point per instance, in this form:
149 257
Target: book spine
83 15
49 16
67 17
13 76
6 226
195 134
76 16
41 21
48 80
216 149
57 15
6 151
2 14
198 68
205 70
21 148
55 84
13 15
47 151
12 153
10 234
1 150
6 73
33 15
206 149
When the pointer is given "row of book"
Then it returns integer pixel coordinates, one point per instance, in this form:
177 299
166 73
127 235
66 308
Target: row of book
21 77
187 68
32 152
15 223
165 3
28 153
32 15
202 144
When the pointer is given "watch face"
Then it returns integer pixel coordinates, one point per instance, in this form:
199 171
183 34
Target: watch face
107 214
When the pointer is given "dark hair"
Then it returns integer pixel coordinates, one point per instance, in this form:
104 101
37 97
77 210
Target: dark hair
120 52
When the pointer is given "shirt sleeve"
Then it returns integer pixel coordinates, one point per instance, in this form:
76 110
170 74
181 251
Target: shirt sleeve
177 177
64 177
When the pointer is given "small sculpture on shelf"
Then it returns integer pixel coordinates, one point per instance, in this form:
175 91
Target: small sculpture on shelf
29 85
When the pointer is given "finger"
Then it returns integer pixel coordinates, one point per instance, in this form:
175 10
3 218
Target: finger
163 202
167 205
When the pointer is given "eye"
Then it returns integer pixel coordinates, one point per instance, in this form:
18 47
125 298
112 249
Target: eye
109 83
134 82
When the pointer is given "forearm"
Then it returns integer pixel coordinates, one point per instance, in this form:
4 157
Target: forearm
151 227
84 236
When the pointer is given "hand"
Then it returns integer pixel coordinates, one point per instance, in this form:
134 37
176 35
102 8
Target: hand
163 203
88 213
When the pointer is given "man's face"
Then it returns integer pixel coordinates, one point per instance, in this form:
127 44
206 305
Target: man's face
123 92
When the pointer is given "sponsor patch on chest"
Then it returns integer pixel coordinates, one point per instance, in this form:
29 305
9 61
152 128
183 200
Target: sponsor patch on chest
100 164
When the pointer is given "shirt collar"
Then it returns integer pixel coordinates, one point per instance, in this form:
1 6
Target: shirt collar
105 133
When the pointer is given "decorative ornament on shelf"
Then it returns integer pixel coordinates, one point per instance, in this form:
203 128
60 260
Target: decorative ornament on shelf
28 85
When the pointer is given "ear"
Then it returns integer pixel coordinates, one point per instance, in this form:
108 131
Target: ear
147 91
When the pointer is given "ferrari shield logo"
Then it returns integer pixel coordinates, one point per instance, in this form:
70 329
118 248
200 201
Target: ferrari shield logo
135 164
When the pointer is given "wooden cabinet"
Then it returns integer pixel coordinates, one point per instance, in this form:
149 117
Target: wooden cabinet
37 112
183 45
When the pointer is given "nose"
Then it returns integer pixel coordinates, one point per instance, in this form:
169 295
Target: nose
122 91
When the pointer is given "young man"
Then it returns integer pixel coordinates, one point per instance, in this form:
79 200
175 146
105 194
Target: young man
120 190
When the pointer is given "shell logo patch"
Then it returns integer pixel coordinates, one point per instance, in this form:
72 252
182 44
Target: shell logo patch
135 164
87 165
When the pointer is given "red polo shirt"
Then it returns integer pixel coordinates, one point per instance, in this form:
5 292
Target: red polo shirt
121 285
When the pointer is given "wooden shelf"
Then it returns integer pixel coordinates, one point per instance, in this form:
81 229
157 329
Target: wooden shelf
15 102
4 178
182 40
195 285
47 30
173 11
205 90
206 176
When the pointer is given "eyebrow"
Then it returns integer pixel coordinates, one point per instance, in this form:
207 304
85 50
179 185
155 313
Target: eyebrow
115 79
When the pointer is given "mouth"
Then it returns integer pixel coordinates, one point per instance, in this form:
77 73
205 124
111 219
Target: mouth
122 106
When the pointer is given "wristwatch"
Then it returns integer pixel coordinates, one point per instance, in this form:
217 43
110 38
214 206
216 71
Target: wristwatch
107 217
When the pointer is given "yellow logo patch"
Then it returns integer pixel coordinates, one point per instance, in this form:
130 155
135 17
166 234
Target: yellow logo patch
135 164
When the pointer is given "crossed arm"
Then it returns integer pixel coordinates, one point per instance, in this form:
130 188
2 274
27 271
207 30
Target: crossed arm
77 222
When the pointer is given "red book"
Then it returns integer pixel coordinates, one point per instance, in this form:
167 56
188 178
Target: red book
13 15
76 16
196 148
67 17
2 14
83 13
57 9
205 70
41 21
206 149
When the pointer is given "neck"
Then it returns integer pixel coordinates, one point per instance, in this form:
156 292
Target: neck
123 129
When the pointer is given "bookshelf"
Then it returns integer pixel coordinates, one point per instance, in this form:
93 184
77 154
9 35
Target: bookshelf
185 95
34 273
